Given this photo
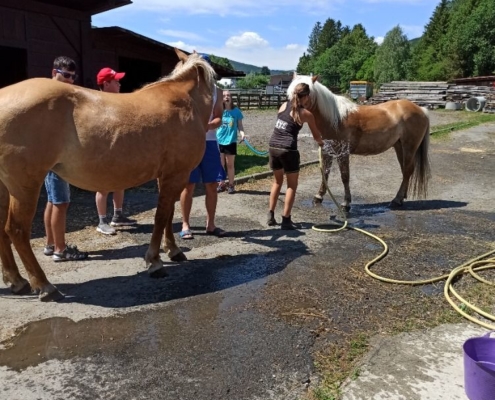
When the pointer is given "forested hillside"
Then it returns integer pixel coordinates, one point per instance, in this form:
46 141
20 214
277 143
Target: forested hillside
458 41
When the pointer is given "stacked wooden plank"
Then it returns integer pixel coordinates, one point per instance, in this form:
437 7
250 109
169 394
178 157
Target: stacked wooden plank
422 93
461 93
490 102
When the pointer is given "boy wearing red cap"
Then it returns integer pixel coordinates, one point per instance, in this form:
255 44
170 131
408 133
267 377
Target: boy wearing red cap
108 80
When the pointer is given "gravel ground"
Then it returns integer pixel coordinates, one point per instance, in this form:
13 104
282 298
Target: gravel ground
250 315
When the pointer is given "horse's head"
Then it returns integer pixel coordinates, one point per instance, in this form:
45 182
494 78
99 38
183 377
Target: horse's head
194 60
308 80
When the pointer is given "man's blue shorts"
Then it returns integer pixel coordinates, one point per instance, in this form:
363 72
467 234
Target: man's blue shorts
210 167
57 189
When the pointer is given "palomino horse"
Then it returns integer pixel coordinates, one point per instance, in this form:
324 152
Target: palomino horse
99 142
371 130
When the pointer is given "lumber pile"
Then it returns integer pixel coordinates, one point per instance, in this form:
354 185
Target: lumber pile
431 94
490 102
461 93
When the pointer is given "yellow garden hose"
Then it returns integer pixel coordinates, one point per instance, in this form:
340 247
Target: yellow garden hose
472 266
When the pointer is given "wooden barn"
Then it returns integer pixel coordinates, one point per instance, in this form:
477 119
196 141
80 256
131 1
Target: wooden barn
34 32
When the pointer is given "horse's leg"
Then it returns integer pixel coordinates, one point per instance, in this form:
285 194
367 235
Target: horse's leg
326 165
21 213
343 161
11 275
407 167
169 191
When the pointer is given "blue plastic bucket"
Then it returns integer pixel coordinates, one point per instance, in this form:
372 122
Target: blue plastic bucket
479 367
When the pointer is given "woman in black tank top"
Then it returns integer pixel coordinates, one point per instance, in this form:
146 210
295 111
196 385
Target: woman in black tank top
284 156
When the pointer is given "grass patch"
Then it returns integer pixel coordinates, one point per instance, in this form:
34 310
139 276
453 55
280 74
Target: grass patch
248 163
469 119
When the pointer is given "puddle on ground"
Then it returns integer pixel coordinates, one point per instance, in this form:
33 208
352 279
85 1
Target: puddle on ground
147 331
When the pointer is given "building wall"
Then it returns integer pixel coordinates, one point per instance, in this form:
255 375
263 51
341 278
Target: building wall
45 32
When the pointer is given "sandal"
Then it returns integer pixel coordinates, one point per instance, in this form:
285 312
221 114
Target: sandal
186 235
217 232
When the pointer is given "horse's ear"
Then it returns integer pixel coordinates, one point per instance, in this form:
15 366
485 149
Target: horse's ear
182 56
294 76
314 78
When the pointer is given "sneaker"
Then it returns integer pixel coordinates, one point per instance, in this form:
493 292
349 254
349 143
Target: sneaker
270 221
121 220
231 189
106 229
48 250
221 188
70 253
287 224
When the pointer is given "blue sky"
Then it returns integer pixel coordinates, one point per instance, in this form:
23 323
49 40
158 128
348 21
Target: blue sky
272 32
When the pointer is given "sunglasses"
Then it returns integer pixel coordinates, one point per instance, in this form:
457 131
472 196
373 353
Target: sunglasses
67 75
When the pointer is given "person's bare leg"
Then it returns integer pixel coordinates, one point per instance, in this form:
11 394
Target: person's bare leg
47 219
230 158
58 224
222 160
101 203
278 180
118 200
186 200
211 198
290 194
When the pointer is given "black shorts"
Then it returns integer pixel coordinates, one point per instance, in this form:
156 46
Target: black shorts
228 149
288 160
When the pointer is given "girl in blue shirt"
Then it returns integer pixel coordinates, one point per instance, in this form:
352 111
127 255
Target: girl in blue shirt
227 140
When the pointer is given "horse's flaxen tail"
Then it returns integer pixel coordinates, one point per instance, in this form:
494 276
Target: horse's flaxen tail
418 184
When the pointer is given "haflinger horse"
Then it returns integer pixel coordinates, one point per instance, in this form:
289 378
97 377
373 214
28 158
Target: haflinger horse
99 142
370 130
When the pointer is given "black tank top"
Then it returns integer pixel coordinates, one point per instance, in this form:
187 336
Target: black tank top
285 132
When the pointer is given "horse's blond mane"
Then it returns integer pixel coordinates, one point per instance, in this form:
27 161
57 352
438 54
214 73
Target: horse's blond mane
334 108
182 68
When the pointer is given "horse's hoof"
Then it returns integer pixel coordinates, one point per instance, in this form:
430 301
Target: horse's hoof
317 200
158 273
345 208
25 289
395 204
56 295
179 257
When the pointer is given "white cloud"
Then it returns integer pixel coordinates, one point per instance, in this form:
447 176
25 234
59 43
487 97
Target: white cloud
180 34
412 31
247 40
228 7
379 39
294 46
183 46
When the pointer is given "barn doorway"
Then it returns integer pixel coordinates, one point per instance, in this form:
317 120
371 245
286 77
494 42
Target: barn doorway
138 73
14 65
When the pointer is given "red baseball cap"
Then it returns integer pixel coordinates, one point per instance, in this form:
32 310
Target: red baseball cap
107 75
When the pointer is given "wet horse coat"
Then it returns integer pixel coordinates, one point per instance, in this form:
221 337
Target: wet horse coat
100 142
371 130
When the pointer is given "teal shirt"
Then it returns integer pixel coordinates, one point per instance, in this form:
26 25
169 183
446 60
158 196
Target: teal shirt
227 132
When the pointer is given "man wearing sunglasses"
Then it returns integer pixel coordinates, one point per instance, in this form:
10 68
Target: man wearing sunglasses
58 190
109 81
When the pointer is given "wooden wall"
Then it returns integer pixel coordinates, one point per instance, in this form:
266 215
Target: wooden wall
46 32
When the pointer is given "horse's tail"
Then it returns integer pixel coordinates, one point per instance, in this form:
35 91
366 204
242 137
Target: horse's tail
418 184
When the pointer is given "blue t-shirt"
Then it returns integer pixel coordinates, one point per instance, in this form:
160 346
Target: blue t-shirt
227 132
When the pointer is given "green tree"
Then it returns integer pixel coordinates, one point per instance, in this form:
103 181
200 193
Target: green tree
314 38
392 57
253 81
347 59
224 62
330 34
305 65
429 57
265 71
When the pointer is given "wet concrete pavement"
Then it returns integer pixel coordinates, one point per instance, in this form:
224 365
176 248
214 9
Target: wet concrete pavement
245 316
